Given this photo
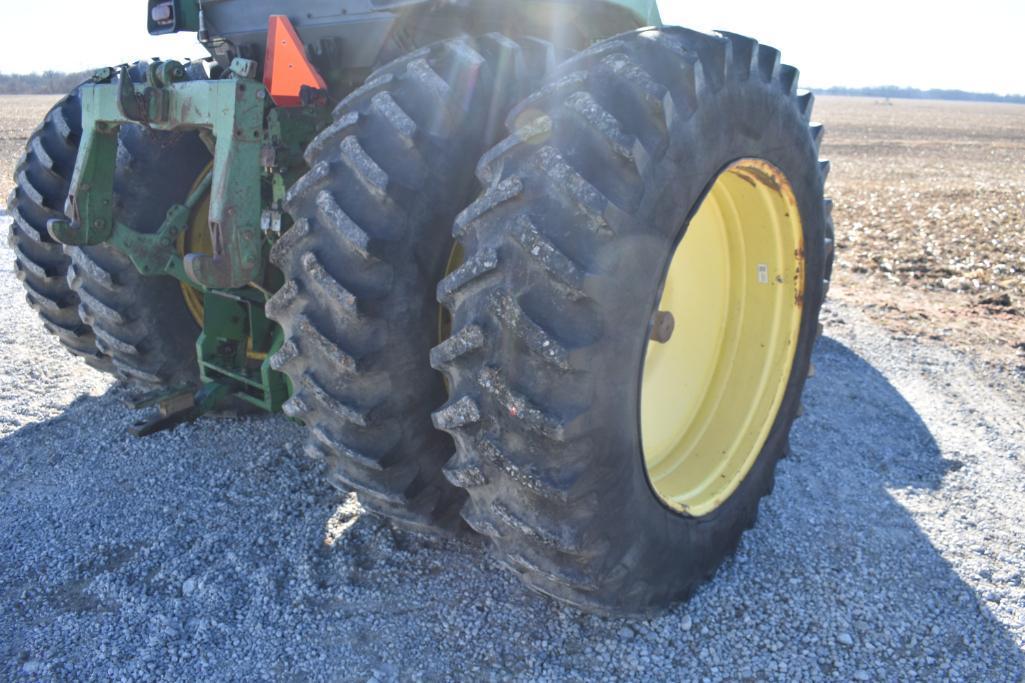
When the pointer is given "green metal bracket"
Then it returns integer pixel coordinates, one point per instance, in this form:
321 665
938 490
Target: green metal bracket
235 349
258 152
234 353
176 406
233 110
156 253
289 131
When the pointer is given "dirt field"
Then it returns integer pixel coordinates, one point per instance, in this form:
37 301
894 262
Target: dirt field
930 217
19 115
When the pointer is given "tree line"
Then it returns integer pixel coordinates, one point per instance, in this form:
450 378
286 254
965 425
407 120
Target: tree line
46 83
895 92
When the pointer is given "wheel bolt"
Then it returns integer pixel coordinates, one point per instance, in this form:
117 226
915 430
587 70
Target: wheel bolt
662 326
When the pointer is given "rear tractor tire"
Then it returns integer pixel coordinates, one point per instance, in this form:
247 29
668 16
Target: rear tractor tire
42 180
634 319
141 322
370 241
100 307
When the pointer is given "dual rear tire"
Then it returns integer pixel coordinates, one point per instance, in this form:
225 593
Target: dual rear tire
632 300
634 318
612 457
371 239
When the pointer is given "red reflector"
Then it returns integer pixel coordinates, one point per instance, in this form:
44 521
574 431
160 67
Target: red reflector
287 69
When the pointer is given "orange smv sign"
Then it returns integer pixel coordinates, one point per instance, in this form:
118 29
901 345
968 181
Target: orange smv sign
287 69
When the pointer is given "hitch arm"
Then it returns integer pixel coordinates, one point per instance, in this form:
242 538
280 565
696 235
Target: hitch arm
233 111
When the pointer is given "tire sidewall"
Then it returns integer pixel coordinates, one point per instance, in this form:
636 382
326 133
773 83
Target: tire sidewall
744 119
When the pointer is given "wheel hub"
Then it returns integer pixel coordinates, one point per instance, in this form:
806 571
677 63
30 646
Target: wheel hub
735 283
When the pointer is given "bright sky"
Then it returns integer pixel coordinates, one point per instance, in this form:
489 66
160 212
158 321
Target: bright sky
974 45
925 44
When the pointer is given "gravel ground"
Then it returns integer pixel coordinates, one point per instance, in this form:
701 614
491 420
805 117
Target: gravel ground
891 548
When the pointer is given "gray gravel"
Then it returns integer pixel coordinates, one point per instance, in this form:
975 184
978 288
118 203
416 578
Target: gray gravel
891 548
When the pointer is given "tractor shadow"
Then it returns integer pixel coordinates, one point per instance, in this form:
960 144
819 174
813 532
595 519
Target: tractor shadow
216 550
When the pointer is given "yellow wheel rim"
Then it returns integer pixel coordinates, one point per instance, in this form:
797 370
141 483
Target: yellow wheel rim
455 259
710 394
196 240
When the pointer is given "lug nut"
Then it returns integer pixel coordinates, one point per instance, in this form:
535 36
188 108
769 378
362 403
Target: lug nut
662 326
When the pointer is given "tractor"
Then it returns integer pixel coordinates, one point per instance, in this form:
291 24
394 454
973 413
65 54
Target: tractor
547 271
